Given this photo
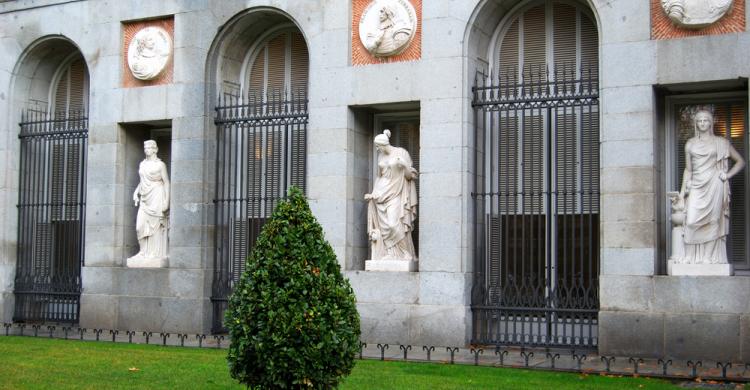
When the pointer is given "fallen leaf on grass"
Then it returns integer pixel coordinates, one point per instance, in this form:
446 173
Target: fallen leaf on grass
133 369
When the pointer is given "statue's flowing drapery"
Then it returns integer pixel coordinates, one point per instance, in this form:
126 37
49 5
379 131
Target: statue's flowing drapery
393 208
152 222
707 203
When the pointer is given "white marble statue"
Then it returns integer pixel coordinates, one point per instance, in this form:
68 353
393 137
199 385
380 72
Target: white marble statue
387 27
695 13
701 207
152 198
392 209
149 52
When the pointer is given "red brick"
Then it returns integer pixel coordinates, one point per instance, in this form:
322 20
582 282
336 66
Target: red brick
663 28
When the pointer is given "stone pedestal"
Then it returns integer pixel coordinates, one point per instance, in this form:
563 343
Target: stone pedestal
143 262
677 269
392 265
145 299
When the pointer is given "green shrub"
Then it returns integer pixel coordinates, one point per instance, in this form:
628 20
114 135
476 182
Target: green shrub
292 317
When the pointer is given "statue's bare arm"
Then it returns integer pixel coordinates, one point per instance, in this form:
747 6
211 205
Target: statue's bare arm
165 179
136 198
688 173
739 163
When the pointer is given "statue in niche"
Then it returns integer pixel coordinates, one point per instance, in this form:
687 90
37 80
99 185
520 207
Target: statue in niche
151 196
392 208
701 208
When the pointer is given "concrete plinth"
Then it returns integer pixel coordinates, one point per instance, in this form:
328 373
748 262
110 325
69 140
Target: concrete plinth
145 299
420 308
144 262
392 265
678 269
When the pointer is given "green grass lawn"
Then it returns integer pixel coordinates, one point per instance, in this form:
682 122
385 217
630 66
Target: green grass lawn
41 363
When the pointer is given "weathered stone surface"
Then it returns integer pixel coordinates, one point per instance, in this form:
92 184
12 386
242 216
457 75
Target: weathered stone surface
158 314
99 311
702 336
384 323
439 325
627 261
444 288
385 287
6 306
745 338
625 293
624 333
701 294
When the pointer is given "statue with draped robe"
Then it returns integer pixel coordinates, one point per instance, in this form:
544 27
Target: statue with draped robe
701 208
152 222
392 208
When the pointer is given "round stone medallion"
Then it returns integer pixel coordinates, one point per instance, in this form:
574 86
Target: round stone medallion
149 52
695 13
387 27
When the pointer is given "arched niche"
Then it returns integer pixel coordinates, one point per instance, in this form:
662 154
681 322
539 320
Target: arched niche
481 32
45 205
257 74
235 52
42 70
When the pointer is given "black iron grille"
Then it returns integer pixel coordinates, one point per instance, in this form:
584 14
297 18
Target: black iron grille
536 203
261 152
51 216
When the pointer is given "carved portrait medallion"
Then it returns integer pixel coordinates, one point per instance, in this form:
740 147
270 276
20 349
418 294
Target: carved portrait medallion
149 52
387 27
695 13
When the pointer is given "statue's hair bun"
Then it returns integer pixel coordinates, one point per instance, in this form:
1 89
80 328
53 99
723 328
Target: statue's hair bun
387 133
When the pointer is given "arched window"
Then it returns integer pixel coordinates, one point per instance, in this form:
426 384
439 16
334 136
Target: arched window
261 146
552 40
279 64
51 205
69 92
537 195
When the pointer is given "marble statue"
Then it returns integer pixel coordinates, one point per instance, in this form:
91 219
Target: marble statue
392 209
387 27
695 13
151 196
149 52
701 208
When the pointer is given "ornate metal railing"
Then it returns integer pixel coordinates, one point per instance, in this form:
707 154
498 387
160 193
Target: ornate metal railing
261 152
536 207
51 216
544 359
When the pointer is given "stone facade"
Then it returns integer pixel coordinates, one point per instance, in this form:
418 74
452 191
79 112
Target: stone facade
642 312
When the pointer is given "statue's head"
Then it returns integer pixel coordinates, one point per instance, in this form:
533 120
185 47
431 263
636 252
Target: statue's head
387 13
383 139
149 147
703 121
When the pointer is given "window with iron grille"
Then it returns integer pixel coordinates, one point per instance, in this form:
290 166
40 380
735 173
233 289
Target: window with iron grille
51 207
261 151
537 185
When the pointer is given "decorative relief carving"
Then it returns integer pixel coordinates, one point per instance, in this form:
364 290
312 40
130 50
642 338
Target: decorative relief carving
387 27
695 14
149 52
